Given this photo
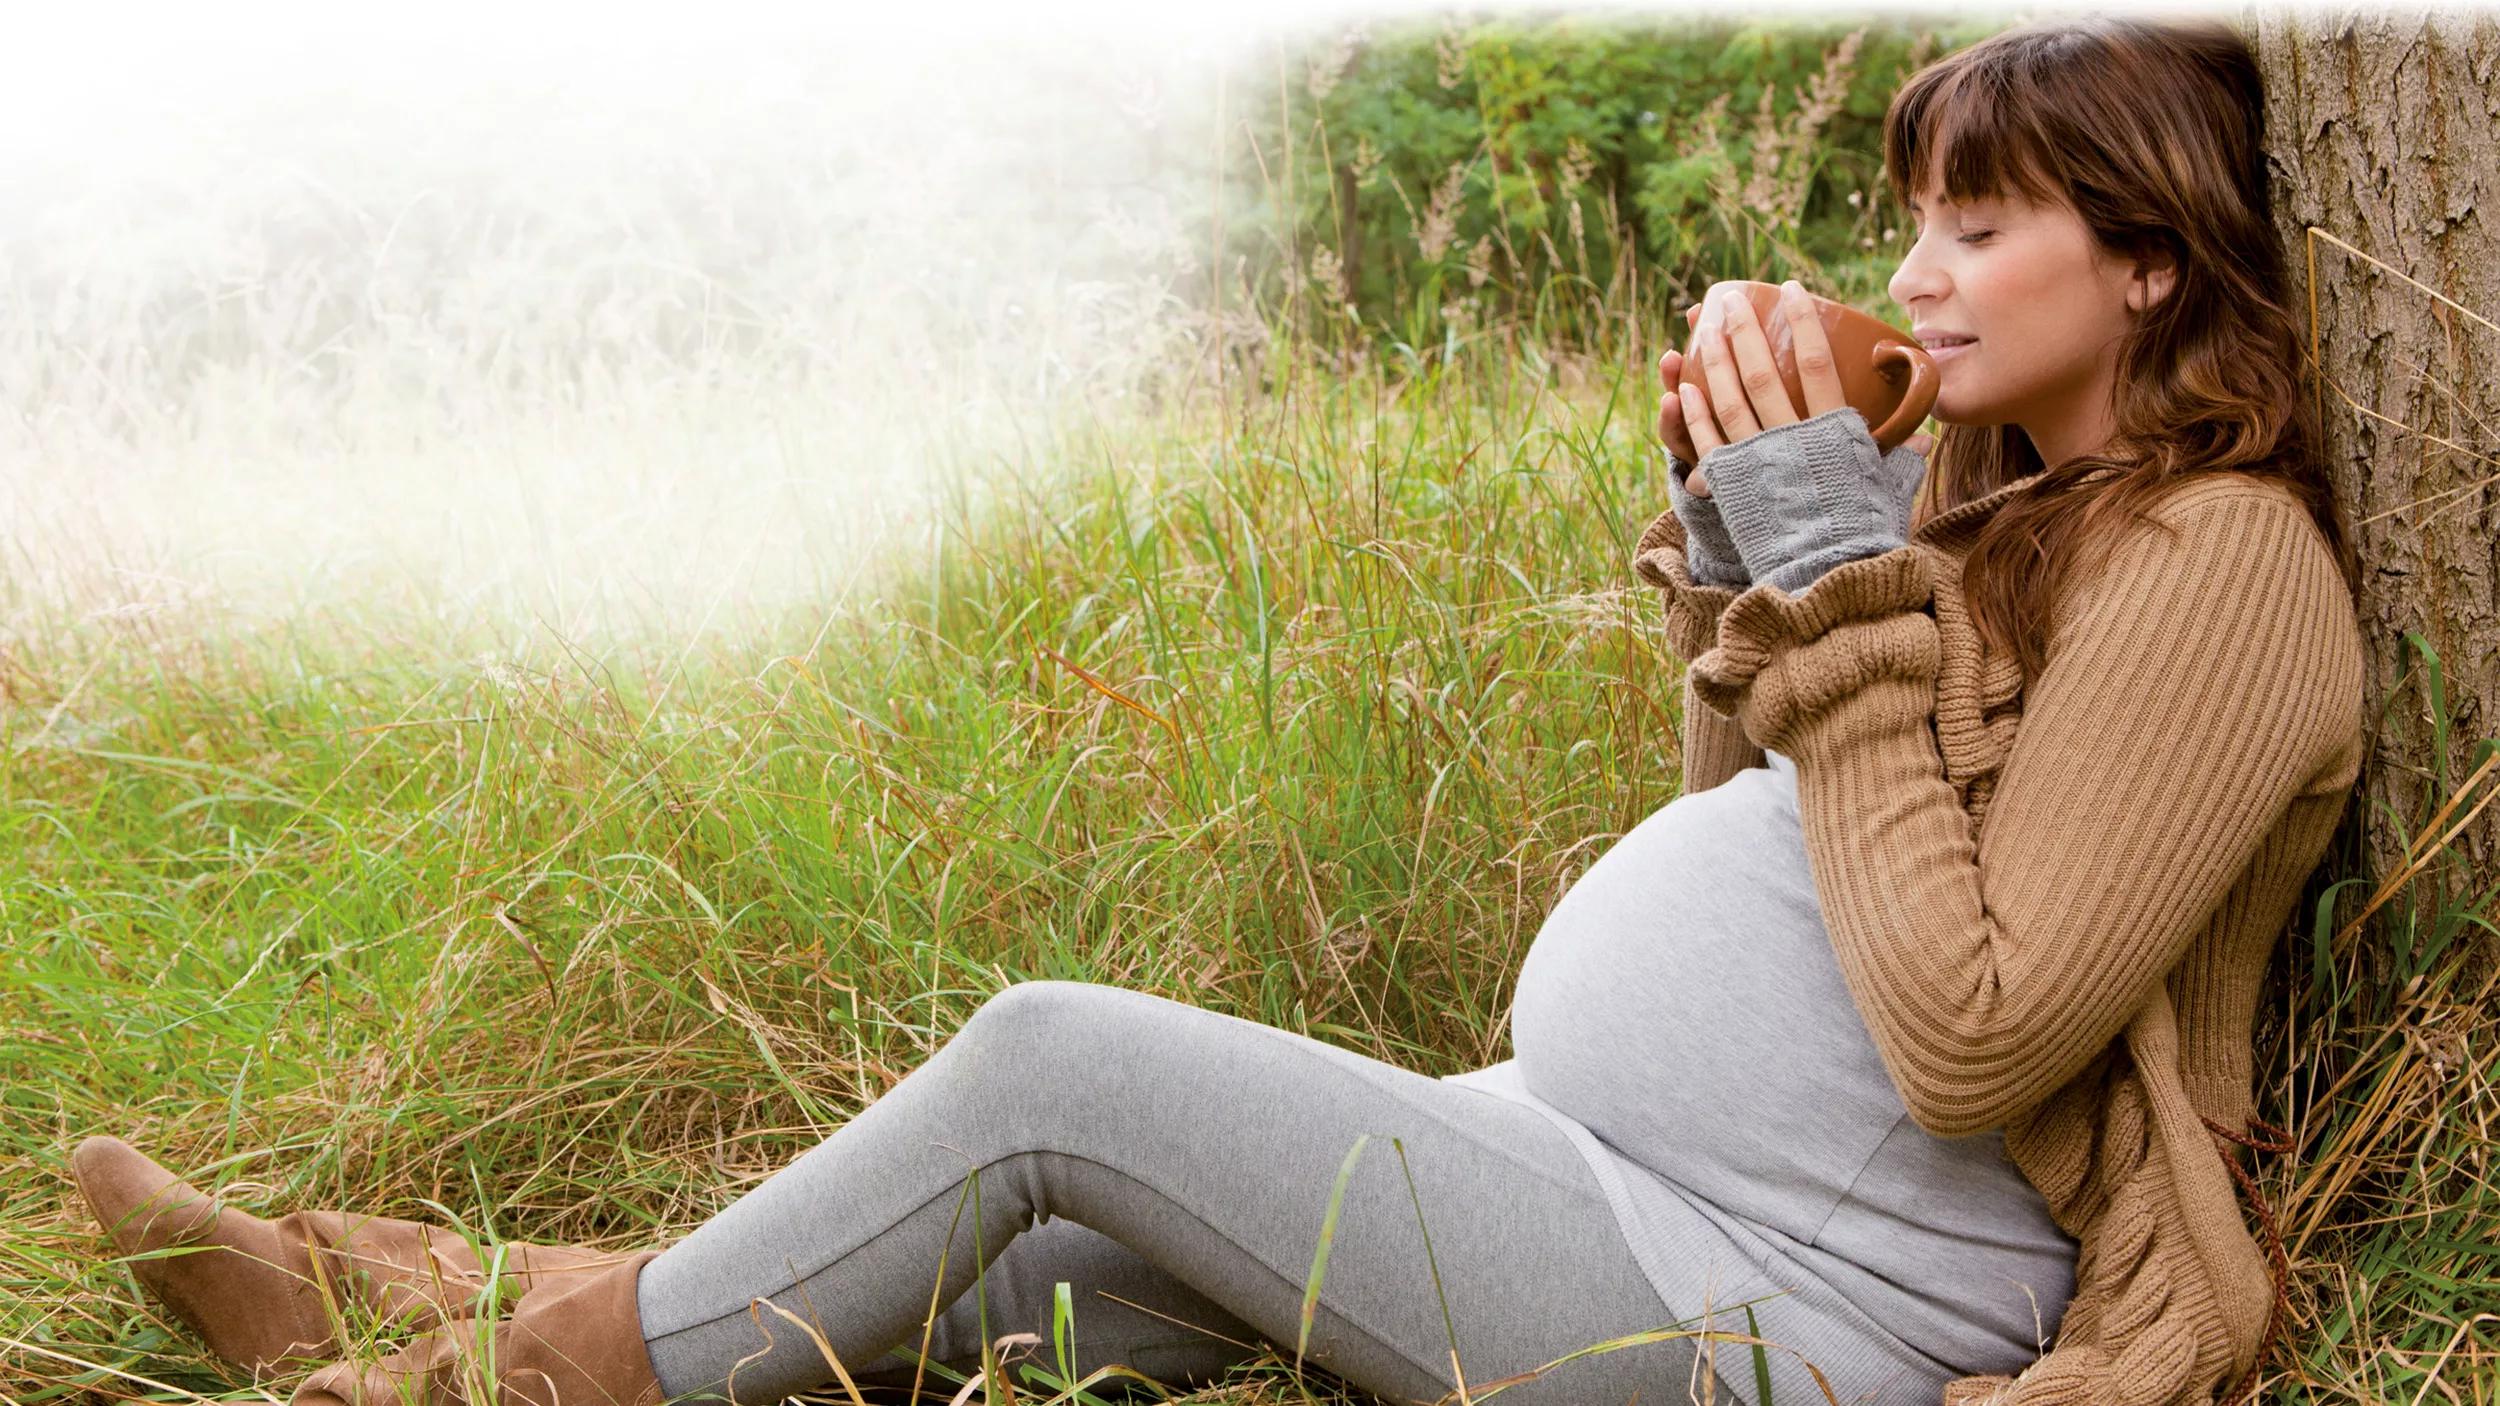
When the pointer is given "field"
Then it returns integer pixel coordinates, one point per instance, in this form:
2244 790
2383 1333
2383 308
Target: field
546 736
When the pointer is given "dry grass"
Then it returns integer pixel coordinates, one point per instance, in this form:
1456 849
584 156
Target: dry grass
1297 684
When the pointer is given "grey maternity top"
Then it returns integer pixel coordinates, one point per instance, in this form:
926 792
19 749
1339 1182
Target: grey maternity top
1682 1015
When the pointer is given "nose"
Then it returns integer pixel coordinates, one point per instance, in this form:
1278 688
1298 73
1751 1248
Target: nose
1917 277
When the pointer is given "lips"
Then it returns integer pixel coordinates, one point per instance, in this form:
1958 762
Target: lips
1933 340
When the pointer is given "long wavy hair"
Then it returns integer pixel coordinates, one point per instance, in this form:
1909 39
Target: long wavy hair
2152 131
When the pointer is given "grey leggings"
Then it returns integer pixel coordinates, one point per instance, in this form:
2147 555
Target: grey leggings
1182 1160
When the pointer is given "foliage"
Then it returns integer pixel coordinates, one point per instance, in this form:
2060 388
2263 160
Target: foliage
1438 178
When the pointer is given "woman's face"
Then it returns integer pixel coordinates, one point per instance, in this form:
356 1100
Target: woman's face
2045 304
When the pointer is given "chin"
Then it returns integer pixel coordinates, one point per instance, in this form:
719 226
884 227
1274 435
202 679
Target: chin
1952 410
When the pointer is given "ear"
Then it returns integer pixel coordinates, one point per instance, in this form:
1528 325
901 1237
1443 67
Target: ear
2154 275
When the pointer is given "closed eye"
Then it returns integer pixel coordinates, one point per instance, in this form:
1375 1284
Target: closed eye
1975 238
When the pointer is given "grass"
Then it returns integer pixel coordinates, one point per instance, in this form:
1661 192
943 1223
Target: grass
1308 723
1307 719
1299 695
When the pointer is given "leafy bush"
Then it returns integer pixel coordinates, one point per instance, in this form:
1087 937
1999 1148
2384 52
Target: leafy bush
1427 181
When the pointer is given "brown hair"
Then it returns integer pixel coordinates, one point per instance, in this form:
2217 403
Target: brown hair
2208 378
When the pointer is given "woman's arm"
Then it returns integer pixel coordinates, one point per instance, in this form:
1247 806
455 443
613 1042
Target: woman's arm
1714 745
1685 542
2195 688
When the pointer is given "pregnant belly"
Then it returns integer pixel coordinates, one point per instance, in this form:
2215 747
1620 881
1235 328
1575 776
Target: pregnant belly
1682 1001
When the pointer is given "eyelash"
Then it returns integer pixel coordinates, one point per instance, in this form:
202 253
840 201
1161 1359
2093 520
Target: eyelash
1963 239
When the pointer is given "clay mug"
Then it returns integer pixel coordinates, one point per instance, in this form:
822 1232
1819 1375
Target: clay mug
1884 372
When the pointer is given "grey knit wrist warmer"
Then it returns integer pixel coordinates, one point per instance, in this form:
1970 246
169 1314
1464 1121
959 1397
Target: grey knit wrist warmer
1709 553
1801 498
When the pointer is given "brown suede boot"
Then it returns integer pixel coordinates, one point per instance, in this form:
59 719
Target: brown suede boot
258 1292
576 1342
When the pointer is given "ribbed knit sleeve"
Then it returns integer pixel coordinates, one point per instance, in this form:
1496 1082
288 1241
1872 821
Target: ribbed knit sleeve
2194 687
1710 554
1714 747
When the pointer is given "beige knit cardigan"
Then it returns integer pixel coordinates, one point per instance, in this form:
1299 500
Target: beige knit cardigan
2054 905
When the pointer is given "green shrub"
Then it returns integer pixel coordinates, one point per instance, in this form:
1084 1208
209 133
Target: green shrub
1427 181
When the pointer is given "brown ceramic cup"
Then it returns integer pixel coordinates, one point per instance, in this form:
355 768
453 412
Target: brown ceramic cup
1884 372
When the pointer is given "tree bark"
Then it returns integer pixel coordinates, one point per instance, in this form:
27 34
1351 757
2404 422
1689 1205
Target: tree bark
2383 130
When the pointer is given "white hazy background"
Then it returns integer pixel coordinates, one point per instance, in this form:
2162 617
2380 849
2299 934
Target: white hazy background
609 325
605 322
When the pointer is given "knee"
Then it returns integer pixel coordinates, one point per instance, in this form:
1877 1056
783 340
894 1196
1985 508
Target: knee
1040 1017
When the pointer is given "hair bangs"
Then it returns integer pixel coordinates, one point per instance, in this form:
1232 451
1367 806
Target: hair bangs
1965 130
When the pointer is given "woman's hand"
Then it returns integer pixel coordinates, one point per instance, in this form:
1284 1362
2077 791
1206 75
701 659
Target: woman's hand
1742 376
1671 406
1671 413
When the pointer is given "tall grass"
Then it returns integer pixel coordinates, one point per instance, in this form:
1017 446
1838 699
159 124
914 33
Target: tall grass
1300 689
1308 723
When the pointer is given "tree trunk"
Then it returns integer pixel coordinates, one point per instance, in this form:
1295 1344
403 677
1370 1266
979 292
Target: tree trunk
2383 130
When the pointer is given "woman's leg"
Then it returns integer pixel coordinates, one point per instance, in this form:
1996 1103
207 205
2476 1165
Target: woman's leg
1206 1144
1127 1309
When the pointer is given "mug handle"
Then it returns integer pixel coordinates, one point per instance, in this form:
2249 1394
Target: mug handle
1915 401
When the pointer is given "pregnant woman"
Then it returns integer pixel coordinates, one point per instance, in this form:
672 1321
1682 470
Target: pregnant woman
1921 1020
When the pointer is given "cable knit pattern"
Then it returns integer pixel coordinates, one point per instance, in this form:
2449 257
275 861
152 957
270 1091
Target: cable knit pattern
2054 909
1801 498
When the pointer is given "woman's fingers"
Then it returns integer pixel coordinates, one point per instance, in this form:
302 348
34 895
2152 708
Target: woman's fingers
1690 414
1765 398
1727 390
1744 393
1671 409
1701 424
1817 369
